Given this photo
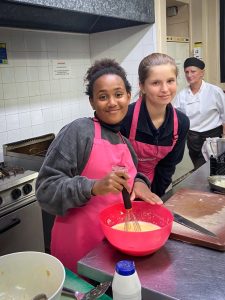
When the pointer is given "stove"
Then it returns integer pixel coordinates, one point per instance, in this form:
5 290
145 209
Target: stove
21 227
16 187
29 154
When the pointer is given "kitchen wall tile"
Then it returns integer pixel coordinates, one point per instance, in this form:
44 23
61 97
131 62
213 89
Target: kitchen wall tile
35 103
43 73
7 75
1 91
34 88
34 41
51 42
11 106
3 138
57 113
36 117
23 104
47 115
64 85
44 87
48 127
58 126
66 112
75 110
2 108
47 101
19 58
57 99
3 127
43 59
13 135
25 133
51 55
55 86
9 90
33 59
17 41
5 35
85 109
32 102
38 130
25 119
12 122
20 74
32 74
22 89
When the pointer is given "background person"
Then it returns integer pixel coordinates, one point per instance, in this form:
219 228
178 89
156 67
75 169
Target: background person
76 180
155 129
204 104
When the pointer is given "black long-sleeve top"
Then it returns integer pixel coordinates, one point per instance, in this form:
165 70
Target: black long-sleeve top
163 136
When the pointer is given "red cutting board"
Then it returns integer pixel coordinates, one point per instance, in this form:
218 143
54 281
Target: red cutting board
203 208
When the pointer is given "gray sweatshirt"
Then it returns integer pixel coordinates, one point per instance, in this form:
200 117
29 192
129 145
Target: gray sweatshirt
59 185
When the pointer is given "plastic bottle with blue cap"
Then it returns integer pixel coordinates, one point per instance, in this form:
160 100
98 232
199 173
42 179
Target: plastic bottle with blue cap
126 284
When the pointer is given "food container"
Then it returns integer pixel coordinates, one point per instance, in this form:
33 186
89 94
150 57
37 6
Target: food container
137 243
24 275
217 183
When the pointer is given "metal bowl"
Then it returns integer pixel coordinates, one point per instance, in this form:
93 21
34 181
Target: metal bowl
217 183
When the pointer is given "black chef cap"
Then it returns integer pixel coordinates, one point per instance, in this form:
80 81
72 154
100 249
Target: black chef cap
194 62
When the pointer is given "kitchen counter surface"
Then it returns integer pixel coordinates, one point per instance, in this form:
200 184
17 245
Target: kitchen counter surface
177 271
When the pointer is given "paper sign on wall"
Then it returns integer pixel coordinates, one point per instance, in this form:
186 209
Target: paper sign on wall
61 69
3 54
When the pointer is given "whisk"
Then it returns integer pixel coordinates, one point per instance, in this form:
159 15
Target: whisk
130 221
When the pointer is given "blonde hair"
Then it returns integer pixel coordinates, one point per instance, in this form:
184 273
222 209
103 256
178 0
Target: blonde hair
154 59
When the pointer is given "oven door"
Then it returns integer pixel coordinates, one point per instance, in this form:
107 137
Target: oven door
22 229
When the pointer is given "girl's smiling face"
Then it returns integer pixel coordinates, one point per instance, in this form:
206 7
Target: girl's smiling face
110 98
161 84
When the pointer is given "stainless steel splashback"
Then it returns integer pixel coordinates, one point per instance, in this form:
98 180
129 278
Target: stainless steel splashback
29 153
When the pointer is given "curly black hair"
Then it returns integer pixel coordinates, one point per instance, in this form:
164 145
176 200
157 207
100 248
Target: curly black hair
102 67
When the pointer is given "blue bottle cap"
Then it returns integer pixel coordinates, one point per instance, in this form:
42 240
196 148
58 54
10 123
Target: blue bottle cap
125 267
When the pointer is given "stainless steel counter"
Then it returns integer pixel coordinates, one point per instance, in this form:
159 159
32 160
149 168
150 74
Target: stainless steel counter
177 271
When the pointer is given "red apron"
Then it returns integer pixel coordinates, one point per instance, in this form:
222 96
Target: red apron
149 155
79 231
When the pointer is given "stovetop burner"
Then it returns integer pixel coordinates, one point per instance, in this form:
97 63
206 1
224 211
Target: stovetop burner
7 171
16 185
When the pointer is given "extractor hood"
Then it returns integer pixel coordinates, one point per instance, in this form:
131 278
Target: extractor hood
79 16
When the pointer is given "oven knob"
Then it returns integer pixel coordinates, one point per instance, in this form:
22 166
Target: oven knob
16 193
27 188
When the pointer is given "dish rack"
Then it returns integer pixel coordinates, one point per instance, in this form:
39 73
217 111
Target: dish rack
217 165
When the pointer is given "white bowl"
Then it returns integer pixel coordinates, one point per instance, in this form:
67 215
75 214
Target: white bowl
23 275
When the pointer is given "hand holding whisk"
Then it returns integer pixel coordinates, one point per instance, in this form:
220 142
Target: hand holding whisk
130 221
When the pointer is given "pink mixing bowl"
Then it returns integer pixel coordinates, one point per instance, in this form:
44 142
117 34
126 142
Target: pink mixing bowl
137 243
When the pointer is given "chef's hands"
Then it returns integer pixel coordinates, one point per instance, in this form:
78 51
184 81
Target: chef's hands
112 183
141 191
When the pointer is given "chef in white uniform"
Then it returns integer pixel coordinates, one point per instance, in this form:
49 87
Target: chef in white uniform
204 104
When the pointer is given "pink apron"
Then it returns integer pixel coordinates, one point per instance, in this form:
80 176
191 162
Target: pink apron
149 155
79 231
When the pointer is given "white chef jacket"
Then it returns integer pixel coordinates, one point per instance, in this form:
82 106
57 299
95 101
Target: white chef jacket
205 109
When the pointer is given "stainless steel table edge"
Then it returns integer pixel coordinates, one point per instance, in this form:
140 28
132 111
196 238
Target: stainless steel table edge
99 276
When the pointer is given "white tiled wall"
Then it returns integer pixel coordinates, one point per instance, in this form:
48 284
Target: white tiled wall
128 46
32 103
